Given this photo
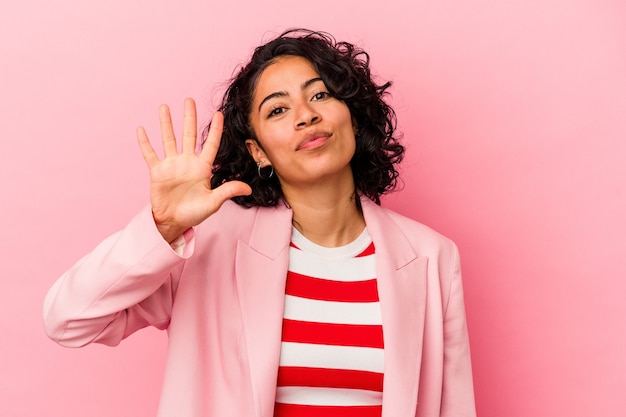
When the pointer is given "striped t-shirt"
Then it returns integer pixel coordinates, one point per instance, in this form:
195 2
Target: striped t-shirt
331 361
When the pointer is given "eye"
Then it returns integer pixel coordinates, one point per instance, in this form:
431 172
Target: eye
275 111
321 95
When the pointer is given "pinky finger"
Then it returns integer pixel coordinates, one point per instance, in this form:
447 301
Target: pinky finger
146 148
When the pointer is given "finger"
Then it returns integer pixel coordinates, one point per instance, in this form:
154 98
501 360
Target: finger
190 126
146 148
210 147
167 131
229 190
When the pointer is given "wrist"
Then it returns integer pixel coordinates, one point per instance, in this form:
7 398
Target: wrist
169 231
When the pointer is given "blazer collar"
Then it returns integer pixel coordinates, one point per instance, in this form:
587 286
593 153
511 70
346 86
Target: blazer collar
261 270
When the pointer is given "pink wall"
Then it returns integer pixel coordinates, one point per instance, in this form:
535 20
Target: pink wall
514 113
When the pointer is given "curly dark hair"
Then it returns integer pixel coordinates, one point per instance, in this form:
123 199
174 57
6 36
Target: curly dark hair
344 69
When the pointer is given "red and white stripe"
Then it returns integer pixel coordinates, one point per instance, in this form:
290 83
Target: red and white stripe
332 357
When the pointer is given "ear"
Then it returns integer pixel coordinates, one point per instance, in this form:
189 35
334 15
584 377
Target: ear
257 152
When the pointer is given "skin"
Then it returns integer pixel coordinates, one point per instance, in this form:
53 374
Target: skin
180 187
303 132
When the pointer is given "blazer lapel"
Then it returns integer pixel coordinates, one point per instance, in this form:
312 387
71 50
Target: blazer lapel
402 286
261 271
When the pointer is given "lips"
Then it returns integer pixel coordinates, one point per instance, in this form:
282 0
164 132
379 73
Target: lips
313 140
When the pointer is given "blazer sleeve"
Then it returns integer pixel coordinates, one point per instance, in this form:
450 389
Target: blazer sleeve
126 283
458 387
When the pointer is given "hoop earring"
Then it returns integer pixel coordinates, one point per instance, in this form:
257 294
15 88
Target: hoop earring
258 170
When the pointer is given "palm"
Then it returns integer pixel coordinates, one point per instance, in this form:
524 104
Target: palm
180 189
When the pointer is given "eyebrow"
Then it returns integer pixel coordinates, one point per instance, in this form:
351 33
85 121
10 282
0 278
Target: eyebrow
304 86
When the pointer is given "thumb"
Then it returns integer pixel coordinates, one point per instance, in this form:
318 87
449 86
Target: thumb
229 190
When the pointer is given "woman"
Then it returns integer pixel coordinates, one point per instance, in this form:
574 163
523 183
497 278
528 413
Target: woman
284 286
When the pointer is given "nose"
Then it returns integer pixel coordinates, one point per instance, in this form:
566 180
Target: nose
306 116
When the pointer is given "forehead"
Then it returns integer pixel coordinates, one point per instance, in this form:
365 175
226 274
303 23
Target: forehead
284 74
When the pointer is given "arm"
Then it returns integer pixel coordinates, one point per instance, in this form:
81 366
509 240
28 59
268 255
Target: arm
126 283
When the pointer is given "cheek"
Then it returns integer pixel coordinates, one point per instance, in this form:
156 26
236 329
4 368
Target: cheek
346 118
275 142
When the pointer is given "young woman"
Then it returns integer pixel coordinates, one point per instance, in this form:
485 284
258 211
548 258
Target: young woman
285 288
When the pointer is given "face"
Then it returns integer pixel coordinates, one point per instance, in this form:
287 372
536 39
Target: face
303 132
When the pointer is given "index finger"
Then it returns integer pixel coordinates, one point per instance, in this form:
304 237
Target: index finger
212 144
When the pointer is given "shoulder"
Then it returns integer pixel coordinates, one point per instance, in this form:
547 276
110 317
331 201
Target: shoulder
424 240
231 212
233 221
413 228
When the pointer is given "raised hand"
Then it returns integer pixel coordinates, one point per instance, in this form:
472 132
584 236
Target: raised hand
180 187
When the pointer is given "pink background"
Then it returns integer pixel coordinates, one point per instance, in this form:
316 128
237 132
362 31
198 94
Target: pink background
514 115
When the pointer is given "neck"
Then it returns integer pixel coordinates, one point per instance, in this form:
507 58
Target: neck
328 216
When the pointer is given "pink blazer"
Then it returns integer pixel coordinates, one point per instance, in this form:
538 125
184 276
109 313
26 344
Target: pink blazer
222 304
